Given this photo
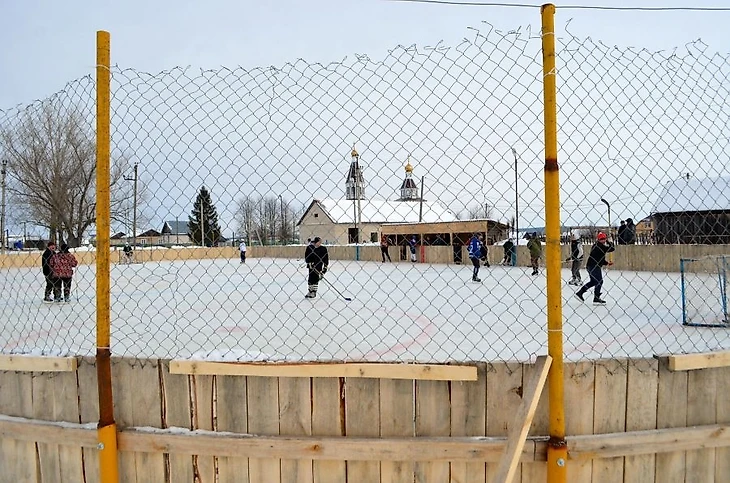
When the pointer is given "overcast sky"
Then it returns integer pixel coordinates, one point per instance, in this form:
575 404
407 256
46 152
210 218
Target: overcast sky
49 43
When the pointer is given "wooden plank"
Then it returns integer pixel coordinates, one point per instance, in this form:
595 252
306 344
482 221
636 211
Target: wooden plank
469 418
362 418
49 463
433 418
26 363
689 362
609 414
579 398
396 419
295 419
722 455
123 393
536 472
176 414
204 467
48 432
523 419
66 408
19 457
147 411
431 372
641 402
671 413
701 410
263 418
504 389
231 410
89 413
328 420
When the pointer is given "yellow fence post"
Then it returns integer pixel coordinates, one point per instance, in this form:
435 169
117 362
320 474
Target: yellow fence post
107 429
557 457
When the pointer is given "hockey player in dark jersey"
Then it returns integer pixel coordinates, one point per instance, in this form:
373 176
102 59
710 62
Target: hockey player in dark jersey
317 260
596 260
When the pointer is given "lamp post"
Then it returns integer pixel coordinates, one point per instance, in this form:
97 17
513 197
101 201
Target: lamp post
420 202
134 204
3 238
283 226
517 198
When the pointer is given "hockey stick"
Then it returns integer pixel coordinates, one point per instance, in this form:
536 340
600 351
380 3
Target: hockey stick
321 277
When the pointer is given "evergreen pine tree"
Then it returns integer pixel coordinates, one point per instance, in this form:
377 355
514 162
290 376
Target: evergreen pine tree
210 229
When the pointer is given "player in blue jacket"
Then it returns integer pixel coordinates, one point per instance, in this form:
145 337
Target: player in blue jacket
475 252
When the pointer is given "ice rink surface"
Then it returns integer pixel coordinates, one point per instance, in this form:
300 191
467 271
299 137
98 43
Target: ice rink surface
224 310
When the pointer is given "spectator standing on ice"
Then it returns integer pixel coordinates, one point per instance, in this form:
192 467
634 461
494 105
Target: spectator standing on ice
63 264
576 259
412 246
317 260
535 248
508 246
384 243
596 260
475 251
48 271
242 250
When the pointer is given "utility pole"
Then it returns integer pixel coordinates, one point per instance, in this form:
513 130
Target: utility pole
517 200
283 226
202 225
134 205
3 237
420 203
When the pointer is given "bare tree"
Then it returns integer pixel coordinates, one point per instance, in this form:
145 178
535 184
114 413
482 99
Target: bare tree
51 152
479 211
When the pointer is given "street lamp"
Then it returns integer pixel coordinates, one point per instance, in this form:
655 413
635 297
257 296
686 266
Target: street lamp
517 198
283 227
134 205
3 238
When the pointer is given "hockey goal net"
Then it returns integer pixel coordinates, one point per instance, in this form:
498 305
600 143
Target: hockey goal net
704 291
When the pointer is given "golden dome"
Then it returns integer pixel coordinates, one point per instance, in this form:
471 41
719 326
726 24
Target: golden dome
354 153
409 168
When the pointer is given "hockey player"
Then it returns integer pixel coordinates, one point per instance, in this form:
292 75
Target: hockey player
48 271
384 243
317 260
576 259
596 260
127 253
475 251
535 248
412 246
508 247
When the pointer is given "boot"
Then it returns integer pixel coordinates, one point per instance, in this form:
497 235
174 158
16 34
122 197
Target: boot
598 301
476 279
312 292
579 294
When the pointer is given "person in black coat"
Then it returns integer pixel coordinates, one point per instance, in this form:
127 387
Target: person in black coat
508 247
596 260
621 235
630 237
317 260
48 271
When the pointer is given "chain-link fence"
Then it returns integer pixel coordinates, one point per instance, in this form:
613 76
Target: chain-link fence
415 173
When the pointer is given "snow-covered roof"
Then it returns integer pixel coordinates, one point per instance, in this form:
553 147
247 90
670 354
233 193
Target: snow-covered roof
385 211
707 194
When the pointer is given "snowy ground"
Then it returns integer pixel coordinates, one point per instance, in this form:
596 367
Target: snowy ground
223 310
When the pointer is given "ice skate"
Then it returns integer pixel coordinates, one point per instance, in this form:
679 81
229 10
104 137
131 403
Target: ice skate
598 301
579 294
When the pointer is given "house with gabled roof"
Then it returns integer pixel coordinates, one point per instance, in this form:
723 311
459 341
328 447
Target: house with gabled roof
175 232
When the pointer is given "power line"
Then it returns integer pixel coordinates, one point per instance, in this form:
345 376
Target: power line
570 7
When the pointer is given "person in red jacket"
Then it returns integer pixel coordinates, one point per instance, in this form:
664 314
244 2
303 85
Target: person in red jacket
62 264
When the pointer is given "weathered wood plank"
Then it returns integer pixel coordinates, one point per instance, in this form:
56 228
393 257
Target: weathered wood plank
327 420
295 419
27 363
434 372
537 472
89 412
396 419
123 393
147 411
641 402
671 413
689 362
204 467
701 409
16 396
49 463
522 421
722 455
469 418
263 418
232 417
176 414
609 414
66 408
504 389
433 418
362 418
579 399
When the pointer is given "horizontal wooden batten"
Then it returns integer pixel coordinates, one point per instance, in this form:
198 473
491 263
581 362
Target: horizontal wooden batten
432 372
689 362
48 432
27 363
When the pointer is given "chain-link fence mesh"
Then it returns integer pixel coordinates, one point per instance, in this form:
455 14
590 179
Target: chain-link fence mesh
402 168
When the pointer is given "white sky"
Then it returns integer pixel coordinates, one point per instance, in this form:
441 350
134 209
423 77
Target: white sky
51 43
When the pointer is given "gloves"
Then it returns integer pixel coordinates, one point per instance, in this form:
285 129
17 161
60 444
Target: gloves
324 270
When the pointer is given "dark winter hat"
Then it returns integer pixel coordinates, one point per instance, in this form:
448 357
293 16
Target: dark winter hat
51 244
316 239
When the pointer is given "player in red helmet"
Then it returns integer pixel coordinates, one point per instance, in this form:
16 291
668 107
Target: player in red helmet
596 260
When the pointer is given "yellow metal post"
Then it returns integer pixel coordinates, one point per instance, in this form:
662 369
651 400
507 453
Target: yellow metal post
557 456
107 429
